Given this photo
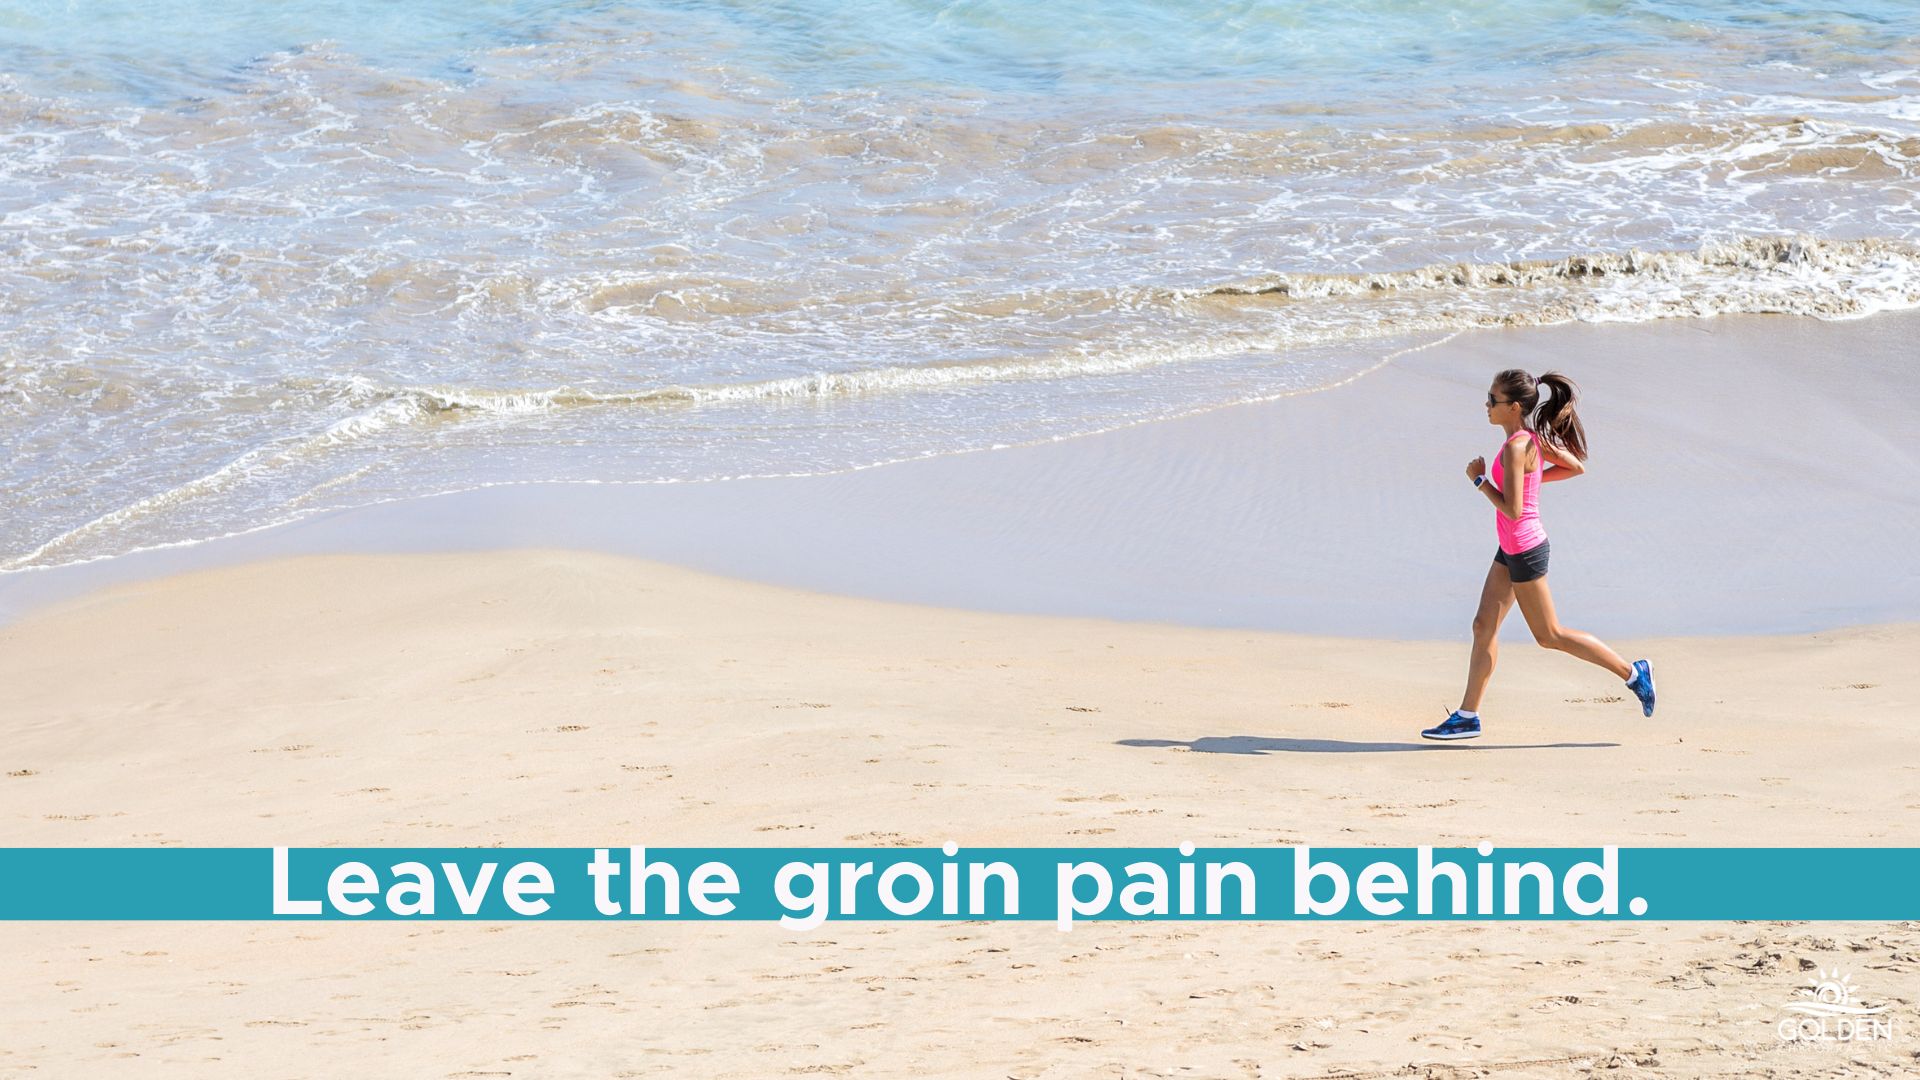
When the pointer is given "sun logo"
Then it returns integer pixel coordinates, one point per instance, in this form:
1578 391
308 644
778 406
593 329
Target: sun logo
1832 988
1824 1012
1831 994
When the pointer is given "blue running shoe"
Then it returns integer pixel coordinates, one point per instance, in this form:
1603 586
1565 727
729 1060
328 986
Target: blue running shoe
1642 685
1454 726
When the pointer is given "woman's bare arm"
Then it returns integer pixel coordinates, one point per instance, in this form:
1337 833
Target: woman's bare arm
1565 465
1507 502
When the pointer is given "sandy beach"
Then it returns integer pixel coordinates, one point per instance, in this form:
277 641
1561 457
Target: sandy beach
538 696
564 698
879 424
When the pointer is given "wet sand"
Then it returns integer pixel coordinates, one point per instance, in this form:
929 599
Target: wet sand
1750 474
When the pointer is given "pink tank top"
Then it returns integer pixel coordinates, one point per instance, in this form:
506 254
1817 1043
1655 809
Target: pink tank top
1525 532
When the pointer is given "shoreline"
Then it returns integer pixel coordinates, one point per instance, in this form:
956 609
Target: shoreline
1730 462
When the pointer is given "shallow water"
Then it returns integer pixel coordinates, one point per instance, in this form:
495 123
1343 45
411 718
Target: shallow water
261 262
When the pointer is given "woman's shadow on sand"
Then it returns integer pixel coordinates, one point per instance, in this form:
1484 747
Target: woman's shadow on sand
1259 744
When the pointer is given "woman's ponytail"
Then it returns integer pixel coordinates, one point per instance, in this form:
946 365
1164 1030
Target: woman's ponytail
1554 418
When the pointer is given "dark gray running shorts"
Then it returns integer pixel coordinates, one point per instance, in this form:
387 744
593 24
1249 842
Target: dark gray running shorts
1525 566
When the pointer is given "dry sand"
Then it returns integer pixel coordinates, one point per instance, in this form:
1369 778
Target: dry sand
543 698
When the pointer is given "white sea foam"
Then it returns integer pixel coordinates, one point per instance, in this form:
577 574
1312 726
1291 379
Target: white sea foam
252 277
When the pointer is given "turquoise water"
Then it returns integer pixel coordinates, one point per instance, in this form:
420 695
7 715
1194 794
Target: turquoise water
258 262
151 53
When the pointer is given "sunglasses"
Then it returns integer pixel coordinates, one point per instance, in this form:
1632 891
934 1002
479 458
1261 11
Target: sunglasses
1492 401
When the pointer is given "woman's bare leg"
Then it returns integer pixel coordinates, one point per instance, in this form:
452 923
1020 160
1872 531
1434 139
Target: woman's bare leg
1536 603
1496 599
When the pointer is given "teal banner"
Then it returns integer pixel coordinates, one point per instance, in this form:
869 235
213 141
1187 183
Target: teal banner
803 887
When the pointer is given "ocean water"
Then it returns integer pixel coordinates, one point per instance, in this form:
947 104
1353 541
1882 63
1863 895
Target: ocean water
263 261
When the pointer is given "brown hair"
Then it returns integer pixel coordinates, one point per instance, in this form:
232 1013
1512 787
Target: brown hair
1552 419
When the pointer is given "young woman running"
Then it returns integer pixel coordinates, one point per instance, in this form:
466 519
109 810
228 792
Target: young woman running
1540 434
